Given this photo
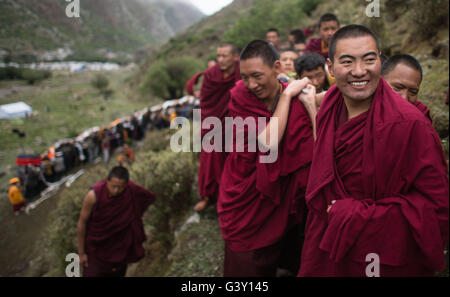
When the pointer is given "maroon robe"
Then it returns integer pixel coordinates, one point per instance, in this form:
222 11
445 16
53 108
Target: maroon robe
387 172
424 109
309 31
215 94
192 82
114 232
315 45
258 202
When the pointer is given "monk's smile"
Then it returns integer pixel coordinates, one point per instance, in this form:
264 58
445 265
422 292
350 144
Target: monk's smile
359 85
257 92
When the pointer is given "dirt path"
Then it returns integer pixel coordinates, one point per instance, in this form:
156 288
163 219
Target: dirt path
19 235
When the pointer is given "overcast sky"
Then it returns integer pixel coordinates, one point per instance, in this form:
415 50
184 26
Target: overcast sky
209 7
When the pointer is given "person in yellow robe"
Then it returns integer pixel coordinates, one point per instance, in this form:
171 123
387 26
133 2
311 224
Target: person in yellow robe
15 196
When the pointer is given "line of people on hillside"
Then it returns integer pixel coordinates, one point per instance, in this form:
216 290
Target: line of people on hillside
36 172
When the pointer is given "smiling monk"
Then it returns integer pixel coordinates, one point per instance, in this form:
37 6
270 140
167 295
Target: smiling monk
261 202
378 182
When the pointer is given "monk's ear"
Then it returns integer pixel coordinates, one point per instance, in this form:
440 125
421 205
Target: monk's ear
330 67
277 67
236 57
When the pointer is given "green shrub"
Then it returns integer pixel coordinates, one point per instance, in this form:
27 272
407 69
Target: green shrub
170 176
10 73
100 82
30 75
33 76
167 78
107 93
157 140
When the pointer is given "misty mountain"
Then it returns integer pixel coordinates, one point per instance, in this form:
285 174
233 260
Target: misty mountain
33 26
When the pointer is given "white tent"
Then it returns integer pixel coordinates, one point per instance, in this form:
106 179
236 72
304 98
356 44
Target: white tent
15 110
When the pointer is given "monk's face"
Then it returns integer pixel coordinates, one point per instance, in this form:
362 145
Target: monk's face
260 78
317 77
287 61
115 186
356 68
327 30
273 38
405 81
301 48
226 59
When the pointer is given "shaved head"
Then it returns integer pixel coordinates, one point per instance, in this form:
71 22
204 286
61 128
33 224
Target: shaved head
404 59
234 49
260 49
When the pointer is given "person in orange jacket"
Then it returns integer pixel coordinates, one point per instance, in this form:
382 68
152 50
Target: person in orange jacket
15 196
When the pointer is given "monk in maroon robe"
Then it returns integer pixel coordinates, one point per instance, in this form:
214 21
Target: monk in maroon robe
110 230
260 202
404 74
191 84
214 97
328 25
307 32
378 192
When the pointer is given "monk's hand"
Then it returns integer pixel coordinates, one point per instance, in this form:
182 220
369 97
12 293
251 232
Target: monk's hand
295 87
309 99
329 206
319 98
84 260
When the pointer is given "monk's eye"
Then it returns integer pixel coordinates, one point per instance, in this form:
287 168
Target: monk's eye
346 62
370 60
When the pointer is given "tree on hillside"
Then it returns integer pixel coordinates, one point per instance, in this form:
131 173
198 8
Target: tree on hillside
167 78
